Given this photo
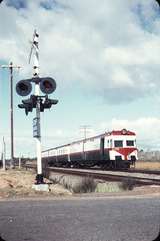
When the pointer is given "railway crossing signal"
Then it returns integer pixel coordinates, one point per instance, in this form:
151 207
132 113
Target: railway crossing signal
158 1
47 104
47 85
31 103
23 87
28 104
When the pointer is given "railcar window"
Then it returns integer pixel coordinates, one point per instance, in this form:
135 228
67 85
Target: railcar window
118 143
107 142
110 143
130 143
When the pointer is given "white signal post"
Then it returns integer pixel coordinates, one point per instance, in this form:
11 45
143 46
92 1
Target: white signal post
37 93
47 85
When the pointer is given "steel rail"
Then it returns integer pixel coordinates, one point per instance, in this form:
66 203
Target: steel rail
106 176
142 171
99 175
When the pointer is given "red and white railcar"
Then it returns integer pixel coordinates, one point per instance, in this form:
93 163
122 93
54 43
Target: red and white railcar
115 149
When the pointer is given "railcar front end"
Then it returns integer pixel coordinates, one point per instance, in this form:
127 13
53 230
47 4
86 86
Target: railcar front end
122 148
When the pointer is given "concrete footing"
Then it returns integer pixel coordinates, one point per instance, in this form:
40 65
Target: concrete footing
41 187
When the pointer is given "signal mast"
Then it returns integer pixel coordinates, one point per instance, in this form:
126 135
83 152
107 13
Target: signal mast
40 102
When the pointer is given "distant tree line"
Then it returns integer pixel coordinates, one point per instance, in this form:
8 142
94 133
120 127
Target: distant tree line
152 156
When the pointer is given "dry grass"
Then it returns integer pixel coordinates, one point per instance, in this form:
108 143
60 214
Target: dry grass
75 184
18 183
86 185
148 165
128 184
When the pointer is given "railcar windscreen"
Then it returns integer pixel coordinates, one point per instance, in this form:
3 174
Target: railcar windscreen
130 143
118 143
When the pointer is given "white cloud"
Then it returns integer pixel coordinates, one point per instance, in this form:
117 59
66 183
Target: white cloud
112 45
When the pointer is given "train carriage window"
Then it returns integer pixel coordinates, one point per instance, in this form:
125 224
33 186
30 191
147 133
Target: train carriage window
118 143
110 143
130 143
102 146
107 143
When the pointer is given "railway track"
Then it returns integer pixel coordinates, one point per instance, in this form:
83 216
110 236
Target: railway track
134 170
145 171
138 178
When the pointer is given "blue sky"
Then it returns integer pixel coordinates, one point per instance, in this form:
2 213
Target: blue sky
104 57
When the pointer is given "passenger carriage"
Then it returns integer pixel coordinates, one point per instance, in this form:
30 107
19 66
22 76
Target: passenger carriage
110 150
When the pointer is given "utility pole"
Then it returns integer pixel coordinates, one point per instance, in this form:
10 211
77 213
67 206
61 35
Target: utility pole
85 129
4 154
19 161
11 67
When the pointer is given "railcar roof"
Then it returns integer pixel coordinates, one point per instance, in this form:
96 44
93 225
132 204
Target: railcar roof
112 133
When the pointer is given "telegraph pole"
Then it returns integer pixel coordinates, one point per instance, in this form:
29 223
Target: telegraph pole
4 154
85 129
11 67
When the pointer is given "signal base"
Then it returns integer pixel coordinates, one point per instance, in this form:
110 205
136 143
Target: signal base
39 179
41 187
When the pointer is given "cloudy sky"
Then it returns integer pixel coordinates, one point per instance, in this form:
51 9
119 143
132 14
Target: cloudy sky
105 58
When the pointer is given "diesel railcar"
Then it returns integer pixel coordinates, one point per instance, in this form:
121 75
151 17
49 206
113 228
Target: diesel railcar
110 150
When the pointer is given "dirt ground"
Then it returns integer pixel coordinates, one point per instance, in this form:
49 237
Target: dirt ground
18 184
148 165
